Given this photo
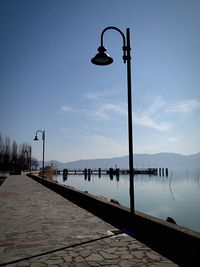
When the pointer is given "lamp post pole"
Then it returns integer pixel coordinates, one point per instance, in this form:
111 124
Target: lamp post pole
43 147
26 160
30 158
103 59
43 141
130 126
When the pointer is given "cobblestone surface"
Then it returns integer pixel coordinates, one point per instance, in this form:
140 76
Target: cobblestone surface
40 228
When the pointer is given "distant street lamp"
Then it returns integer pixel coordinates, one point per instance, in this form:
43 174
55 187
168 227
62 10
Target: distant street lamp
26 159
28 152
103 59
43 139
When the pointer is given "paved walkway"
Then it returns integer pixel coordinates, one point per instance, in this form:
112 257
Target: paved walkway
40 228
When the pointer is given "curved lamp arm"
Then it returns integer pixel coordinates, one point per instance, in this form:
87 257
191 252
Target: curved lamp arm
116 29
125 47
40 131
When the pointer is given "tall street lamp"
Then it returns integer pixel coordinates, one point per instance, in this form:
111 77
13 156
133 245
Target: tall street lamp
103 59
43 139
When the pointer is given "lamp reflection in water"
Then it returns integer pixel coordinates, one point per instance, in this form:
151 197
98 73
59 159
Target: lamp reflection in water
103 59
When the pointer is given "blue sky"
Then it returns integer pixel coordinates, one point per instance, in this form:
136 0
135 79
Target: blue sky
47 81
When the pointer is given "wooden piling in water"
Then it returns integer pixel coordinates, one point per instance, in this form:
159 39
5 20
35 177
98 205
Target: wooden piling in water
65 171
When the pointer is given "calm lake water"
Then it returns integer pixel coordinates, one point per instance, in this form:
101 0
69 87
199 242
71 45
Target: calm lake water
176 196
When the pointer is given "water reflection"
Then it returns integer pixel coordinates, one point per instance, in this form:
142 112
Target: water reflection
176 195
170 188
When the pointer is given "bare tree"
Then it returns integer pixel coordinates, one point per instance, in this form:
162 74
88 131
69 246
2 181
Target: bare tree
1 150
6 154
13 159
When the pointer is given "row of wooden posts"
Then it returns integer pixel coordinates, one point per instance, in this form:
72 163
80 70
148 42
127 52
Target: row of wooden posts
117 171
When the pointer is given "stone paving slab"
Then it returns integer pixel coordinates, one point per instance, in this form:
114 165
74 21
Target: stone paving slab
40 228
116 251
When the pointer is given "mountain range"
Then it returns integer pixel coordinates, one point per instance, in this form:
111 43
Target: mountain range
159 160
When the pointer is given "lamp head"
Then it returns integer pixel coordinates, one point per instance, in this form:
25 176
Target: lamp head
102 59
36 138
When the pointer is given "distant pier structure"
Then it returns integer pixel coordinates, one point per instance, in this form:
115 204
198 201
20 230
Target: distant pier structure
116 171
163 171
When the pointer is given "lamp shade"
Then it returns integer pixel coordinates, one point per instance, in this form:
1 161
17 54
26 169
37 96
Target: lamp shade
101 58
36 138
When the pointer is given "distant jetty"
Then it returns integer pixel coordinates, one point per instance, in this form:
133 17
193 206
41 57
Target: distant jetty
115 171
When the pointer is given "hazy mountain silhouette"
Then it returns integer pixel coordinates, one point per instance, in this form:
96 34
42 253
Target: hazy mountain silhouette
159 160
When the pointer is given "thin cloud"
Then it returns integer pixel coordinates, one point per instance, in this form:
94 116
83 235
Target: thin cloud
105 110
174 139
151 116
156 105
151 122
103 106
66 109
185 106
99 96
